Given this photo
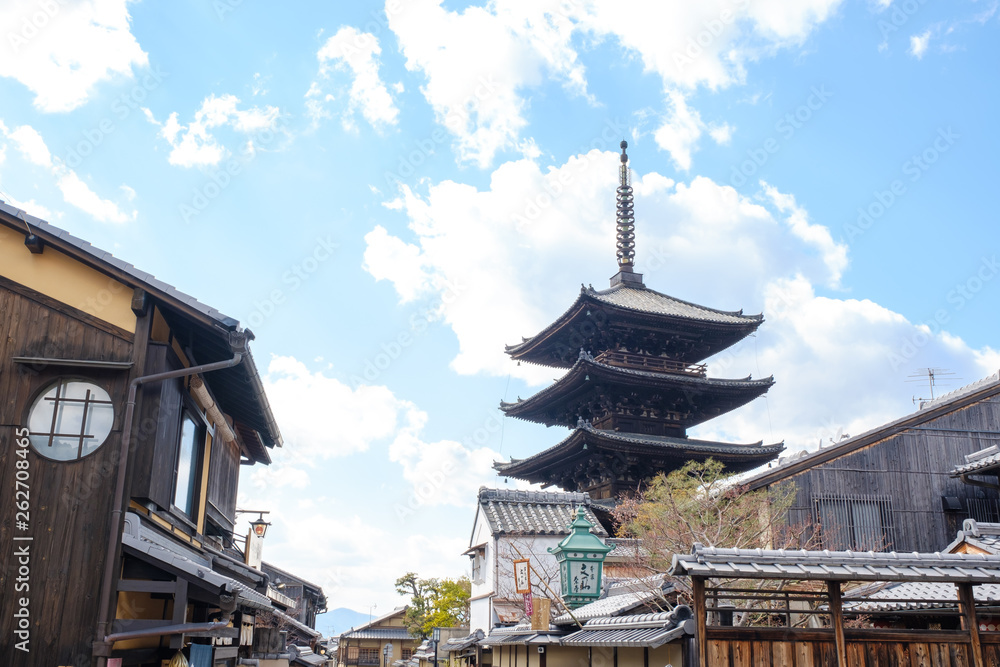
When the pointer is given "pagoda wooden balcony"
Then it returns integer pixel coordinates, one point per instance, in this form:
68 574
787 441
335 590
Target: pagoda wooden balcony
645 362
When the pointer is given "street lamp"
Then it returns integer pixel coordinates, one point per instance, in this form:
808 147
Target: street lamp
581 562
259 526
435 638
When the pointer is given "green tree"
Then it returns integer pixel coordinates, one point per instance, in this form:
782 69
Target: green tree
435 603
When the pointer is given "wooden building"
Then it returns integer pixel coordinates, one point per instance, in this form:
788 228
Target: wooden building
635 382
306 599
127 409
729 582
366 645
899 486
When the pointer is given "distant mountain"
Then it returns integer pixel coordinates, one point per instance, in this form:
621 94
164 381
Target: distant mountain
340 620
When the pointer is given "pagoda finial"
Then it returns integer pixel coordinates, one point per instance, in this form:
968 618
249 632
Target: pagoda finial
626 218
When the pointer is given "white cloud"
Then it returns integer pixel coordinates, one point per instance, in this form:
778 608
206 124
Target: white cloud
476 63
74 190
357 52
62 50
918 44
195 145
324 418
444 472
837 360
31 145
834 254
79 194
481 100
681 129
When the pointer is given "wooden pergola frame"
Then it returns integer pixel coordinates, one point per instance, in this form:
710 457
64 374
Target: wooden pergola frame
832 570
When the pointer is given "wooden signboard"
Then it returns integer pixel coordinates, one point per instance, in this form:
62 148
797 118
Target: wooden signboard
540 613
255 550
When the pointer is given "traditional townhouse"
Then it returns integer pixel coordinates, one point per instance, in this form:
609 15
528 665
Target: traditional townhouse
126 411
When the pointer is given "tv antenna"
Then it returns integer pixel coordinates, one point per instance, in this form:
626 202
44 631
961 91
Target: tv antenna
932 376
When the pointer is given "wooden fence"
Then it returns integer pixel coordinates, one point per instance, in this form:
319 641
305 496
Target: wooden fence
784 647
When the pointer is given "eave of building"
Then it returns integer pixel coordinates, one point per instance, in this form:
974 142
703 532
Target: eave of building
943 405
725 327
736 457
212 335
587 375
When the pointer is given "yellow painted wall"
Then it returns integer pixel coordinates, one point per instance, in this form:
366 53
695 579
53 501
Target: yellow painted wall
63 278
565 656
668 654
136 605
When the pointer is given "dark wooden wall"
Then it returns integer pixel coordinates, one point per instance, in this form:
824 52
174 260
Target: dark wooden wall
913 469
70 501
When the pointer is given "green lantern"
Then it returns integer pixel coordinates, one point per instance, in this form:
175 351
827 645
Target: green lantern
581 562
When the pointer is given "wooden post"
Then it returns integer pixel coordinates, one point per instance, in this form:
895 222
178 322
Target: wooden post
837 614
968 603
698 589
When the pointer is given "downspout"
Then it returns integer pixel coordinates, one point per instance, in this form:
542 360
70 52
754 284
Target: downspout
114 534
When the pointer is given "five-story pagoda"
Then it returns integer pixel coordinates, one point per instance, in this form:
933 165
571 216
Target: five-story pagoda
635 382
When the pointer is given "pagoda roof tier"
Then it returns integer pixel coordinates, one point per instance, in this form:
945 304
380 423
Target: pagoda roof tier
634 316
578 462
591 389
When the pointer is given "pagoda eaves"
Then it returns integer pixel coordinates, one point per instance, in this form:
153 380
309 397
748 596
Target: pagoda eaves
639 319
600 392
590 459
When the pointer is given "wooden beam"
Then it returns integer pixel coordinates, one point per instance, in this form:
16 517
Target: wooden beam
180 610
146 586
837 614
698 590
968 603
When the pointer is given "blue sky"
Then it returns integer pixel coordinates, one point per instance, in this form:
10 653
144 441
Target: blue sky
388 193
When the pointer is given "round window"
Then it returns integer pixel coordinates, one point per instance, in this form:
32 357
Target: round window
70 419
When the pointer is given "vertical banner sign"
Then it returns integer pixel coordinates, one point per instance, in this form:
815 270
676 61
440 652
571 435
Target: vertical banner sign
528 606
522 576
255 550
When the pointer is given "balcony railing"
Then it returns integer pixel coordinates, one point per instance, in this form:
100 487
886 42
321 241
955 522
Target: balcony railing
645 362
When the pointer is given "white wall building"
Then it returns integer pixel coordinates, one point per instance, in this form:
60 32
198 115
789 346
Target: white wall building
510 525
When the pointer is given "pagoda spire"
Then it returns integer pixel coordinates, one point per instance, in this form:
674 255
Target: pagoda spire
625 226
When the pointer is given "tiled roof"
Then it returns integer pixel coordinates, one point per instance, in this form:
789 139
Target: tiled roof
140 539
912 595
625 548
613 605
513 512
147 279
587 376
755 453
378 633
462 643
645 300
836 565
961 391
981 460
398 611
229 385
931 410
642 630
298 625
588 364
985 536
